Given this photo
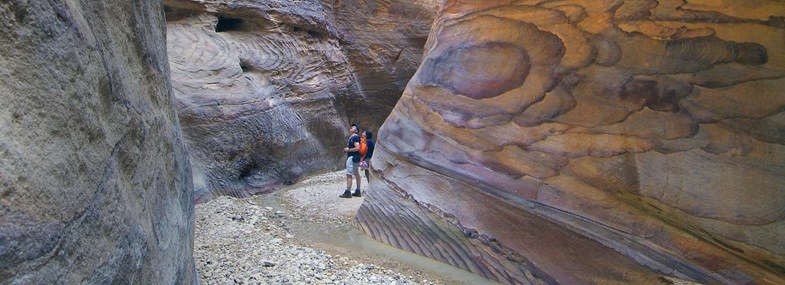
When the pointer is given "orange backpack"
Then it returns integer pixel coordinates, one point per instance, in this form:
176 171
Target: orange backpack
363 147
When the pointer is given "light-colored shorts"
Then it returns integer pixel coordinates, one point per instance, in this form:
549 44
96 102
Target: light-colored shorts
352 168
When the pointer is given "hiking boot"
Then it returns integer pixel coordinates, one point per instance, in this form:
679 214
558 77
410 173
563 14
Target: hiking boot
357 193
346 194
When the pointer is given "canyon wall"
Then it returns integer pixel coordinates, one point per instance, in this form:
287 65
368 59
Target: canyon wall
579 142
266 90
95 184
383 41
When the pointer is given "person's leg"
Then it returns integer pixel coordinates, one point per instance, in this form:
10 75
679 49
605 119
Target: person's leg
349 171
359 179
368 173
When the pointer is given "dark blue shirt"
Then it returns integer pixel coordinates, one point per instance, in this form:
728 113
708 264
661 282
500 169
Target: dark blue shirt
371 145
354 138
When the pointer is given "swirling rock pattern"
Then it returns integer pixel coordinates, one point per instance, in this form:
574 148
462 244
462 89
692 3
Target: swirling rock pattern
265 89
95 184
591 142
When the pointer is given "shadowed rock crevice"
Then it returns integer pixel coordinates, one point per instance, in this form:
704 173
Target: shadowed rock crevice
227 24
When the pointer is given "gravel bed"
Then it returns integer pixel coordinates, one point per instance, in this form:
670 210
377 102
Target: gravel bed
316 199
238 241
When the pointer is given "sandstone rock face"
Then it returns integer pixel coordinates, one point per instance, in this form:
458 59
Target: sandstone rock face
95 184
383 41
266 89
592 142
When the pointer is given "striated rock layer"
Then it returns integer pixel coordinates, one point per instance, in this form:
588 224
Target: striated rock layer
95 185
580 142
266 89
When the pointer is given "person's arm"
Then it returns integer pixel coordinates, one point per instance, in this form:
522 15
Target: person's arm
356 148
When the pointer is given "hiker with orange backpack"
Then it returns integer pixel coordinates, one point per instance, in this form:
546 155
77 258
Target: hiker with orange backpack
366 152
353 157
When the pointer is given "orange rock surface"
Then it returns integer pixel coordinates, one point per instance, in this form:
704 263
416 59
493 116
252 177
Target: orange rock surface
583 142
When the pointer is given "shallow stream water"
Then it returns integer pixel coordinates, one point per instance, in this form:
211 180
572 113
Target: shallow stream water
344 238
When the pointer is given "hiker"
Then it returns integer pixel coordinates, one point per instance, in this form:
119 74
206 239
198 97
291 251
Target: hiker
352 151
367 136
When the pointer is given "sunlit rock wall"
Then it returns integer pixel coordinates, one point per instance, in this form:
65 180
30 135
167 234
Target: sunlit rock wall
592 142
95 185
266 89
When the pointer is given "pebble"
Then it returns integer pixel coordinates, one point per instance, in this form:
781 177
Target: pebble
236 243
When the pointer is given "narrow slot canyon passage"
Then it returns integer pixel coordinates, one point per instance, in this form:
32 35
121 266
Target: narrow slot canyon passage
516 142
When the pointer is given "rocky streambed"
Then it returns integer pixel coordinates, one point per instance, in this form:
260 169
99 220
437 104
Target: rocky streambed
303 235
